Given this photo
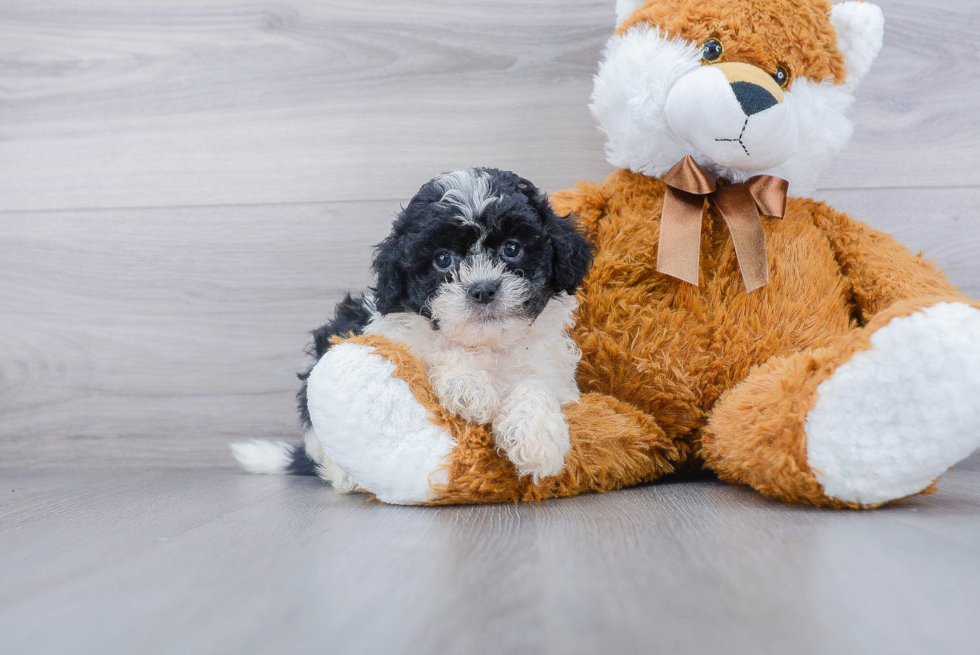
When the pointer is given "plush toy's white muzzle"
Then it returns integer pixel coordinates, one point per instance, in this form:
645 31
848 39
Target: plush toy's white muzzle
735 114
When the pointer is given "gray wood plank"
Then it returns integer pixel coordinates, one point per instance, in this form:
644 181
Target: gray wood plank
153 103
160 335
133 512
212 561
156 337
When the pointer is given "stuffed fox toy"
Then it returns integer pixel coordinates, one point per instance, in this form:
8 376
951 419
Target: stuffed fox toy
728 322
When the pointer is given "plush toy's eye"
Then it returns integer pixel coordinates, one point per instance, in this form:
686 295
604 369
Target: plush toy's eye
511 250
443 261
781 76
712 50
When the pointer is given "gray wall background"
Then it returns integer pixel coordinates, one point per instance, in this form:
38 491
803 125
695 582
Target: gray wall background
186 188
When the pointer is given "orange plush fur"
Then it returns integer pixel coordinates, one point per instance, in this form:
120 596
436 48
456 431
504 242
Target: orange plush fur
770 33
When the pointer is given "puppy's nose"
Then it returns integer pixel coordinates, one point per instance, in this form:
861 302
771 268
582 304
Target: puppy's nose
484 292
753 98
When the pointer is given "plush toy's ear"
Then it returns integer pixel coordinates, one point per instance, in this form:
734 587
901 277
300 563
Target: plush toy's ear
390 290
625 8
860 30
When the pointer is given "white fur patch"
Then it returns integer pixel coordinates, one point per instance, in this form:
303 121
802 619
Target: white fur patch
895 417
860 28
629 100
469 191
372 427
637 72
263 457
821 110
543 350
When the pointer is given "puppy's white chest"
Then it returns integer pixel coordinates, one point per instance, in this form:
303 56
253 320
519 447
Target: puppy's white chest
542 351
517 385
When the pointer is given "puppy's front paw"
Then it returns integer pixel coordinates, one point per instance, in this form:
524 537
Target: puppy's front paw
469 396
532 431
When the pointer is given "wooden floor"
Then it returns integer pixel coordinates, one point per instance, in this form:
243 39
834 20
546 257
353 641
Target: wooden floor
185 190
192 561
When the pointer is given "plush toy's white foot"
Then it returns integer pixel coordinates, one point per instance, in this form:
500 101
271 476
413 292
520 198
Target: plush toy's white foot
372 427
894 418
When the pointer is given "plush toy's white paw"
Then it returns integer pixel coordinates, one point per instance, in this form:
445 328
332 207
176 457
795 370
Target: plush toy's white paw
471 396
372 427
893 418
532 431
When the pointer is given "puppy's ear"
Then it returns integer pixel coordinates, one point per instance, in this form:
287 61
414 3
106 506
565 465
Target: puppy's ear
572 253
571 250
390 290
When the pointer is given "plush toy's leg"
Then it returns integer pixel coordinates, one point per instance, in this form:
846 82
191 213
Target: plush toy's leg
876 417
377 418
371 424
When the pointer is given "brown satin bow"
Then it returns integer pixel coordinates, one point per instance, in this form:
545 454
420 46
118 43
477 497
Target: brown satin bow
740 205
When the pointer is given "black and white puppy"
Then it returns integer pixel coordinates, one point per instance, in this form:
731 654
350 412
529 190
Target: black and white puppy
477 278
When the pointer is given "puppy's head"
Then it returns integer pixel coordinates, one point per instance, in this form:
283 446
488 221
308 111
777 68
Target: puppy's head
479 252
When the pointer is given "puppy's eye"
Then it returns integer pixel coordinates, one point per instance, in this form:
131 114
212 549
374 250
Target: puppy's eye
781 76
511 250
712 50
443 261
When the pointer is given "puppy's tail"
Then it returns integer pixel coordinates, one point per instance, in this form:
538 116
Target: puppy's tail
273 457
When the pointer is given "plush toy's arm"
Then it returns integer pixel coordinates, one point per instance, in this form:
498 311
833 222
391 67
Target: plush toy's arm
881 270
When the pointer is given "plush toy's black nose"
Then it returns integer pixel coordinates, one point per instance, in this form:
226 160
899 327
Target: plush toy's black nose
484 292
753 98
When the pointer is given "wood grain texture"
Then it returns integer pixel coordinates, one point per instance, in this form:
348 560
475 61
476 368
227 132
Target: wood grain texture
219 562
187 187
153 103
161 335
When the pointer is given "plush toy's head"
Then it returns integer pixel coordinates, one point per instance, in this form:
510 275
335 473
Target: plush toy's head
743 86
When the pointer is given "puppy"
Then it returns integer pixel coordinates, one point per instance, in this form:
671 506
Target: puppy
477 278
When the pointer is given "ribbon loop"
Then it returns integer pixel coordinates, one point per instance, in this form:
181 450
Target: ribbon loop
740 206
769 194
687 176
